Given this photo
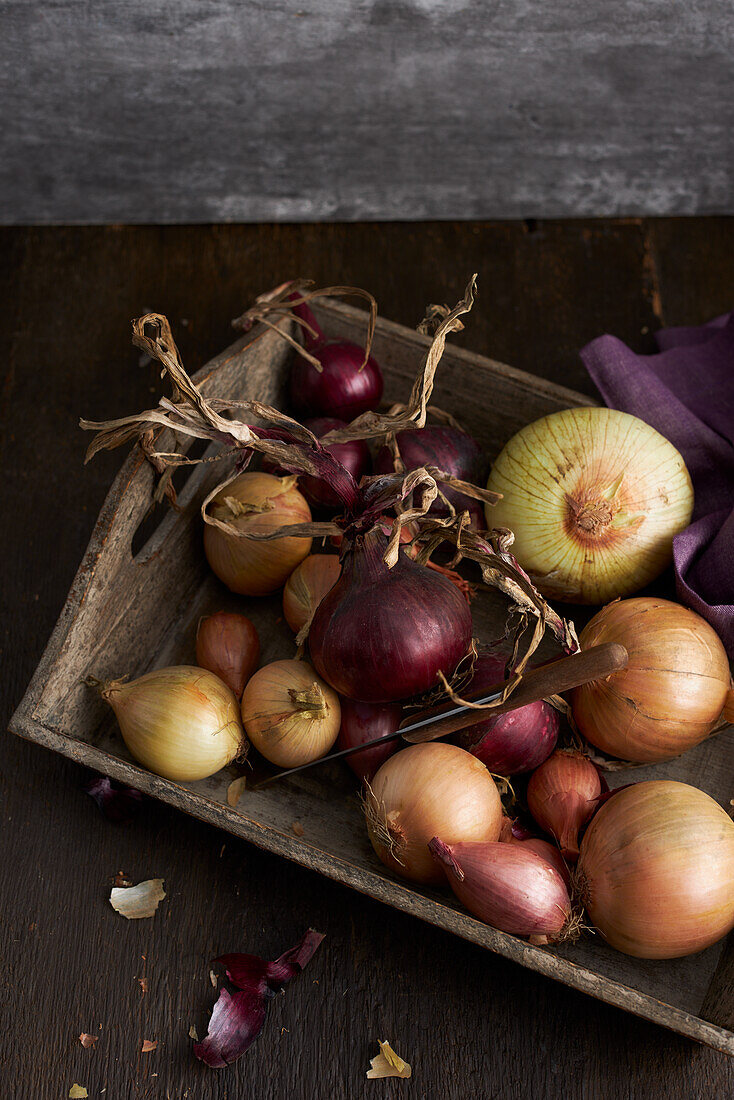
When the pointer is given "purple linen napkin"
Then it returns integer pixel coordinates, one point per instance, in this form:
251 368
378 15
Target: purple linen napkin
686 392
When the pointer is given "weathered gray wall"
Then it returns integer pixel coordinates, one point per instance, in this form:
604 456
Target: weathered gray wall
198 110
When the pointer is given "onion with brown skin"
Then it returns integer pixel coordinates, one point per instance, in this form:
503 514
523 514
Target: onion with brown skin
656 870
289 714
255 504
670 695
562 796
594 497
306 587
228 645
421 792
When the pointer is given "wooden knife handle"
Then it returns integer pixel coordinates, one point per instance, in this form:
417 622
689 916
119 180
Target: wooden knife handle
567 672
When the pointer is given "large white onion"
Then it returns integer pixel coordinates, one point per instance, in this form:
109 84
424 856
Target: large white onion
594 497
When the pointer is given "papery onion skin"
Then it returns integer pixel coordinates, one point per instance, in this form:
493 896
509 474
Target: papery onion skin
656 870
450 449
506 885
182 722
306 587
594 497
562 795
362 722
511 743
228 645
353 455
421 791
670 695
249 567
382 635
290 715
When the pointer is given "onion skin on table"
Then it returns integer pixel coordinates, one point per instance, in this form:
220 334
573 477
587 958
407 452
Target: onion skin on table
670 695
656 870
594 497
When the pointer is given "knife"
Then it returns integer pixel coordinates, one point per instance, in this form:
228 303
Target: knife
553 678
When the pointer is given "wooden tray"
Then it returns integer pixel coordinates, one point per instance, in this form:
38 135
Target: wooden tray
133 609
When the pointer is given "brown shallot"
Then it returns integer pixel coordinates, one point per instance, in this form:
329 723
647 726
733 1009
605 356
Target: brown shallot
561 797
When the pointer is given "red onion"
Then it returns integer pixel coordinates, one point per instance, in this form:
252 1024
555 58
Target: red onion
366 722
507 886
354 456
451 450
344 387
562 796
511 743
385 634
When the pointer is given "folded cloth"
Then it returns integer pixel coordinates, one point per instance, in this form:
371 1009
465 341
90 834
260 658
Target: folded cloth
686 392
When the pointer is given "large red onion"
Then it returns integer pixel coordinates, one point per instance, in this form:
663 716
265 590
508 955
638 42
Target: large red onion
344 387
366 722
353 455
385 634
510 743
562 796
450 449
507 886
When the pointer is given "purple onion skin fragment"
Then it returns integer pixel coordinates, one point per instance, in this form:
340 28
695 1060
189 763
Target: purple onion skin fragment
117 803
238 1018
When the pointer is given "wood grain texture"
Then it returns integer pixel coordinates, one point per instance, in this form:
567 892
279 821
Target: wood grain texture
177 111
472 1024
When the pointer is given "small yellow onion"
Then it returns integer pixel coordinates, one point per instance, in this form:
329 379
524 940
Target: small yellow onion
256 503
656 870
290 715
594 497
306 587
672 692
181 722
425 791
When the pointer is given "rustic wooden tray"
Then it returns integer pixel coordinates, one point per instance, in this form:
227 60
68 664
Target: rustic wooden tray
132 609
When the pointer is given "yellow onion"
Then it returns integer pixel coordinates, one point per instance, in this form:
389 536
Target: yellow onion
256 504
306 587
425 791
181 722
290 715
656 870
594 497
670 695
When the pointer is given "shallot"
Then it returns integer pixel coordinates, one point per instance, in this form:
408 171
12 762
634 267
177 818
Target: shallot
562 795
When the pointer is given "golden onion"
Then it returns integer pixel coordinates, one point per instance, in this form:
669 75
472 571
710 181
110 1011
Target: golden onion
290 715
425 791
673 690
306 587
594 497
256 503
181 722
656 870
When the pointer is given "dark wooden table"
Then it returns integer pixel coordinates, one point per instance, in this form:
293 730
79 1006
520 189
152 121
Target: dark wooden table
472 1025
